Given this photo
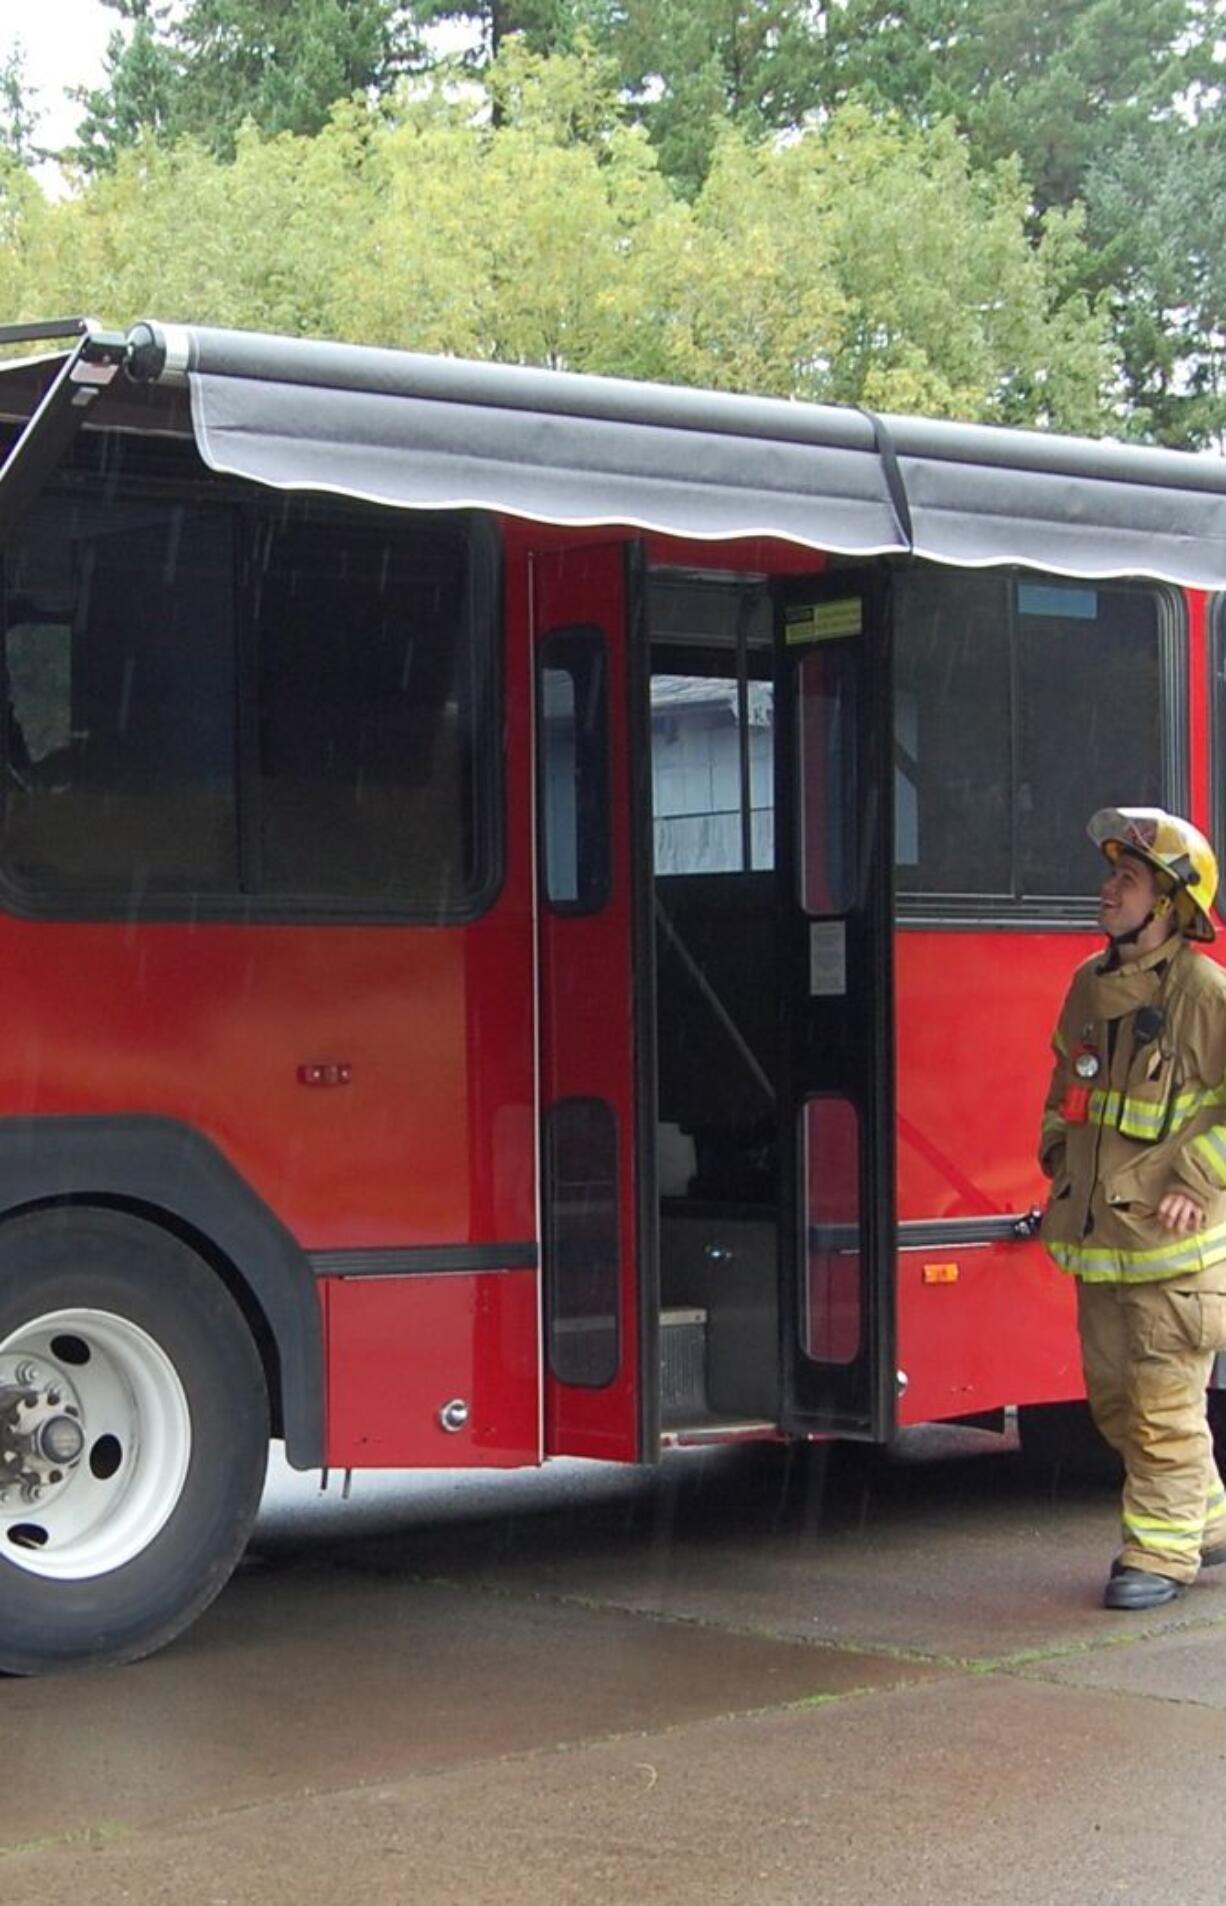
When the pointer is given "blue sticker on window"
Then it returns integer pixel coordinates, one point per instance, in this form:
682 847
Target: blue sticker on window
1047 598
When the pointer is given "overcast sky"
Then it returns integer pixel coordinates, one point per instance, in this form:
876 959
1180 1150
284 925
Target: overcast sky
64 42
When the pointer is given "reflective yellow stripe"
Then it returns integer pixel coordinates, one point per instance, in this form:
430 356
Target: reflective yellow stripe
1144 1539
1156 1532
1141 1118
1052 1122
1102 1264
1183 1527
1059 1043
1188 1104
1210 1148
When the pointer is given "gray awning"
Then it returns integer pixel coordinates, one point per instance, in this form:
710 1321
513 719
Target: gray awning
581 451
422 432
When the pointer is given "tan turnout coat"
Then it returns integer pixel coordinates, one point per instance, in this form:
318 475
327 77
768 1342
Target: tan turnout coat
1155 1117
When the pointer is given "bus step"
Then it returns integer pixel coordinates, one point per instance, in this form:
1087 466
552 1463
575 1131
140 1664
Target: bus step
683 1364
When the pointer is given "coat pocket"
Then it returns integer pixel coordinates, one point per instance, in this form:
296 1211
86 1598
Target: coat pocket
1139 1186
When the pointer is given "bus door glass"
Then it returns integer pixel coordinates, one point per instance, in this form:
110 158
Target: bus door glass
833 862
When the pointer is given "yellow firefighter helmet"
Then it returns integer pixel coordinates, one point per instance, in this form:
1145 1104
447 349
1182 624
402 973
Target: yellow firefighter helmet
1175 850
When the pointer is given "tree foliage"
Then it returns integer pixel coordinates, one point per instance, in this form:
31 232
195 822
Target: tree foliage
1076 146
1157 216
865 261
544 26
205 69
693 66
137 98
19 112
1112 106
1053 83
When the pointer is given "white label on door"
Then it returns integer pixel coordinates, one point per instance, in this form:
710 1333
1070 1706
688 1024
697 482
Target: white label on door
827 959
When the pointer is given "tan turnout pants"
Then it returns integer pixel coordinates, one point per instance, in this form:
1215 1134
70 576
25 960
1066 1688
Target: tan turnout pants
1147 1350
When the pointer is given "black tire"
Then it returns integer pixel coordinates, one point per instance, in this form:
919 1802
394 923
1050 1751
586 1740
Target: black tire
142 1280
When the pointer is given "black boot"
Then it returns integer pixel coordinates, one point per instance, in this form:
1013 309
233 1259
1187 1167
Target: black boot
1139 1588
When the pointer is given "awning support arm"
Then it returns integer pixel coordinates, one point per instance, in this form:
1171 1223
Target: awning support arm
81 380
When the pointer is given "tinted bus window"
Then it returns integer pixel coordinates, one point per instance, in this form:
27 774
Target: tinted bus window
120 742
827 724
1022 704
213 693
573 719
582 1253
365 706
951 735
1090 724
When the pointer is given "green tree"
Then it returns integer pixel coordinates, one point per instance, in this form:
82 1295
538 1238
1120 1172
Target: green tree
141 78
544 26
1052 82
426 228
869 263
206 68
1157 216
27 240
19 113
693 66
284 63
1114 105
865 262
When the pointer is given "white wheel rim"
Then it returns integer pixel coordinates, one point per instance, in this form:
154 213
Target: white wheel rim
131 1405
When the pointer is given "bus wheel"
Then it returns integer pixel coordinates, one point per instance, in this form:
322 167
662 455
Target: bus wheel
133 1439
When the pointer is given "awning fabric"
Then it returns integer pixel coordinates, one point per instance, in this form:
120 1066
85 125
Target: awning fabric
420 432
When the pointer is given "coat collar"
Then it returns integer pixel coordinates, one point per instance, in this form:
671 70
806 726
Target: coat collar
1124 988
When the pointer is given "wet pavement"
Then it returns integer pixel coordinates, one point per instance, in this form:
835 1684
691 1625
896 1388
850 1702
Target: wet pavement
755 1675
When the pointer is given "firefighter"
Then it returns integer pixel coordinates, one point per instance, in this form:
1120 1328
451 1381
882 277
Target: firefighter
1134 1142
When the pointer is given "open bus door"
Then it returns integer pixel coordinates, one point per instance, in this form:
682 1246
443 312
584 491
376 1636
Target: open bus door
833 794
600 1312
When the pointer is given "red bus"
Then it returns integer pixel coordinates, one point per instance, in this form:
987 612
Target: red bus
531 912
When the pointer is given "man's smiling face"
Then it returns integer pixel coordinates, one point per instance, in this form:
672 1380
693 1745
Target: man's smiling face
1127 895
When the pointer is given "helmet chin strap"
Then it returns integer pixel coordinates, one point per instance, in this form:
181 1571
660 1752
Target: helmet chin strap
1161 907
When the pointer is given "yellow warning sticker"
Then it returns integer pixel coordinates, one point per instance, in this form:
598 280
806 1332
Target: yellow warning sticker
823 621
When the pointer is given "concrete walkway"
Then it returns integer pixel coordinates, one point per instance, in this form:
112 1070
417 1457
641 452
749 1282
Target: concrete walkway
743 1679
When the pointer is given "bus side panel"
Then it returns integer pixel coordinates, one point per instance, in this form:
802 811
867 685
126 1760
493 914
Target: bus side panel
979 1325
213 1024
431 1138
432 1371
372 1082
